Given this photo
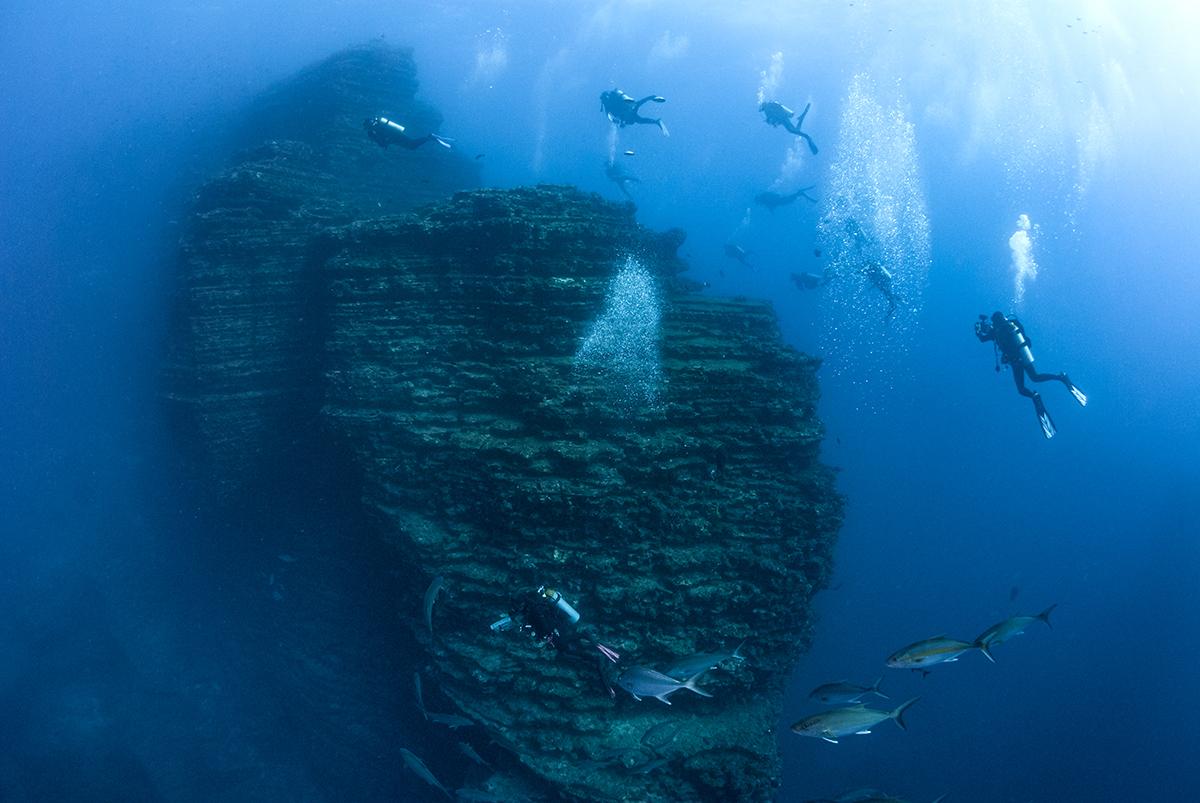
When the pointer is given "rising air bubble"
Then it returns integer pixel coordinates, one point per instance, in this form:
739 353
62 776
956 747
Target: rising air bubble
620 353
875 232
1024 266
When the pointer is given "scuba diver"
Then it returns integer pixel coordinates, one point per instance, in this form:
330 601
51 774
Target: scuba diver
386 132
622 110
881 277
621 177
1013 348
871 268
811 281
550 619
738 253
773 200
777 114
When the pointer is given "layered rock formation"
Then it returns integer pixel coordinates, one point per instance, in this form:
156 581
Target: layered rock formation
527 393
492 457
240 360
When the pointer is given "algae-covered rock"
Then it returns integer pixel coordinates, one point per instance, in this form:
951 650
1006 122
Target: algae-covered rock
496 454
522 390
244 326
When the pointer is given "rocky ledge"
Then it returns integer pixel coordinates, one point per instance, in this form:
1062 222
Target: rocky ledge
240 360
521 389
525 413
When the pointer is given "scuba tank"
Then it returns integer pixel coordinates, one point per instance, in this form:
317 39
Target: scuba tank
387 125
383 131
560 603
1013 343
1021 342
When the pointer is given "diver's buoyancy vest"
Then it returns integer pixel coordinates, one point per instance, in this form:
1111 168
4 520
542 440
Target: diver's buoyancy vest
1013 343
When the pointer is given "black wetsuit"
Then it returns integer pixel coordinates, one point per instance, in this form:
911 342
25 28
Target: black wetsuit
872 269
778 114
618 176
385 132
1015 350
1014 346
810 281
622 110
881 277
551 626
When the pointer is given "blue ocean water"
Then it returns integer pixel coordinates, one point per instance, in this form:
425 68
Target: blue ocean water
939 125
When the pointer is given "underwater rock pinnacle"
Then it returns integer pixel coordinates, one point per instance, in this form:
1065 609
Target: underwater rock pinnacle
460 357
702 519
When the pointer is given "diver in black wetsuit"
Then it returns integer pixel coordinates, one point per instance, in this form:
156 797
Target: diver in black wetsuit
871 268
1014 348
552 620
811 281
778 114
384 132
621 177
622 110
881 277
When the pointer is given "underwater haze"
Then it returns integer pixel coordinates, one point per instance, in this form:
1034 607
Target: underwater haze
1036 158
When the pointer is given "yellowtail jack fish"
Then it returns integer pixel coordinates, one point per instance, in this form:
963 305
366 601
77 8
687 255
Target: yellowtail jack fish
937 650
855 720
1012 626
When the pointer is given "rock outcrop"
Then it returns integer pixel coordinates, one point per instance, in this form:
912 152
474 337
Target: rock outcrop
526 392
240 361
679 522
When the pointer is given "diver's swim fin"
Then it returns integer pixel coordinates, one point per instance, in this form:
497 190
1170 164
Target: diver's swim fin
1043 416
663 128
1076 392
443 141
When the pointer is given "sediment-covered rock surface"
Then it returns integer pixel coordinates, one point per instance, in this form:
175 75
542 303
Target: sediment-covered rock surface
526 392
681 521
240 361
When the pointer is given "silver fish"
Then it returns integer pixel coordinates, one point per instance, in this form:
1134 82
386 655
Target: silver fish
701 662
430 598
856 796
873 796
470 753
936 650
856 720
859 795
418 766
481 796
1012 626
772 200
843 691
452 721
650 766
420 697
624 757
643 682
661 735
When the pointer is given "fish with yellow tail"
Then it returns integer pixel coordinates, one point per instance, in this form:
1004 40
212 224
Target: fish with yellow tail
1012 626
937 650
856 720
